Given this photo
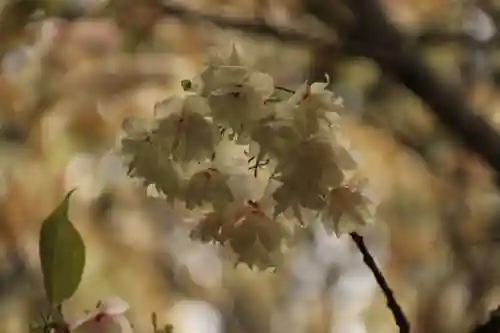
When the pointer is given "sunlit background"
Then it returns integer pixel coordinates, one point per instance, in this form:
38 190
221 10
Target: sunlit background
67 85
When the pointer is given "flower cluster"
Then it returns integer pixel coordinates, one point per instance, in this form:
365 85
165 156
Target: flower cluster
296 143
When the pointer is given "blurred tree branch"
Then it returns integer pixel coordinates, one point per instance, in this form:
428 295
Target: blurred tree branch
374 31
251 26
371 35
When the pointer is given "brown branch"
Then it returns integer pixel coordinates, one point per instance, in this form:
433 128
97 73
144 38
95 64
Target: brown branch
399 316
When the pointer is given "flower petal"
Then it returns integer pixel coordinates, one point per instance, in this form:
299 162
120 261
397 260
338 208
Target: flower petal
124 324
262 83
319 87
168 106
114 306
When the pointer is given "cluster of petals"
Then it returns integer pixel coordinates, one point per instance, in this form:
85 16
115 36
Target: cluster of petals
296 142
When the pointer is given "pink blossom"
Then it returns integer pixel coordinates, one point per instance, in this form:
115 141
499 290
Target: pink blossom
108 317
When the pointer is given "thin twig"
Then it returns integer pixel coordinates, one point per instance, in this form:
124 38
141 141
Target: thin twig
399 316
284 89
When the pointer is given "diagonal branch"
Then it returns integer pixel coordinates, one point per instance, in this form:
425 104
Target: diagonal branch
374 31
399 316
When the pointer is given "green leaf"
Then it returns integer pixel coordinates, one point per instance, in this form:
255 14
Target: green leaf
62 254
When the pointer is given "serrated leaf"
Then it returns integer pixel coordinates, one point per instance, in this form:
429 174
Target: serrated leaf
62 254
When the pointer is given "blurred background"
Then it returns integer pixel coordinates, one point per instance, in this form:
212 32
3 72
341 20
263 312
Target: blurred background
73 70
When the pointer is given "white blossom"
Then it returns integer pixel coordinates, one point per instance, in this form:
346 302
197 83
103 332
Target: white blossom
231 144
